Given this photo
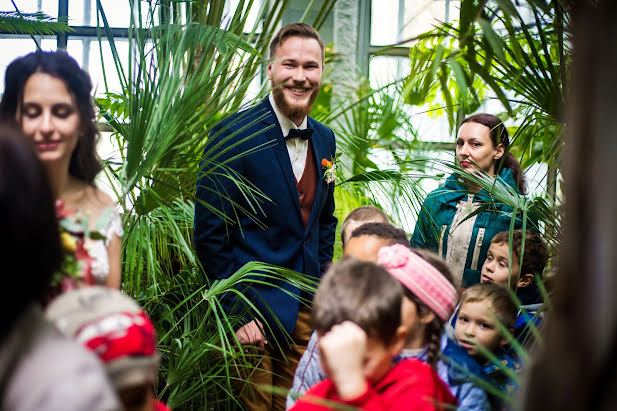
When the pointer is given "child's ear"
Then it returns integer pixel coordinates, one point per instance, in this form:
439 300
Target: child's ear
504 339
398 341
525 280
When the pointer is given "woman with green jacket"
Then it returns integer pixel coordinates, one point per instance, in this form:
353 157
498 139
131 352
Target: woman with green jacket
447 223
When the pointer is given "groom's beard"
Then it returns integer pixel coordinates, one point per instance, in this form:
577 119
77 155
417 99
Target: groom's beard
290 110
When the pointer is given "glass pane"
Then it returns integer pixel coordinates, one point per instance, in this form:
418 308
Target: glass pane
296 10
429 122
96 66
535 177
394 21
117 12
11 49
253 14
386 69
384 15
49 7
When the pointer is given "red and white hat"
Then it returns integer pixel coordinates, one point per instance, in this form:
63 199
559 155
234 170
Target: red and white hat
114 327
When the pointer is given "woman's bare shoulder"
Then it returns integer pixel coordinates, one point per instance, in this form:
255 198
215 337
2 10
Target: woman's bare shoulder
93 199
98 198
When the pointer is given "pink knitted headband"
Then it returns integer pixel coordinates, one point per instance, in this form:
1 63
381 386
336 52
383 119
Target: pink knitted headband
420 277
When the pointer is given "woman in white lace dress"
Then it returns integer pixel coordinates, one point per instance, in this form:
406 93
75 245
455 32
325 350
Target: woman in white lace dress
48 97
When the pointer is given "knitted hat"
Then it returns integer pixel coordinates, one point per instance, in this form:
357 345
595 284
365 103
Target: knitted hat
420 277
113 326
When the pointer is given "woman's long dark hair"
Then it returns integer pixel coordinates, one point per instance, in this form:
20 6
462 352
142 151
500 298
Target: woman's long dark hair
30 248
84 164
499 135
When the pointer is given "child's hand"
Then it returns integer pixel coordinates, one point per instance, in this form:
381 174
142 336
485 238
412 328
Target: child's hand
342 352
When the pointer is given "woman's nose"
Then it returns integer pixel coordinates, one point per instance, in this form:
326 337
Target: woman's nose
46 125
464 150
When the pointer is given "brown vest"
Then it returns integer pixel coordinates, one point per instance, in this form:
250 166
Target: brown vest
307 186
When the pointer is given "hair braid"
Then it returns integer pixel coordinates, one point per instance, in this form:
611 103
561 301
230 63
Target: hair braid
433 333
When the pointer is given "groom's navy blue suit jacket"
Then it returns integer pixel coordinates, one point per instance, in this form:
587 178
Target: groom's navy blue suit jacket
284 241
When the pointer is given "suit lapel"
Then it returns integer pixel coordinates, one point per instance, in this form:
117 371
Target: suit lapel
282 155
318 151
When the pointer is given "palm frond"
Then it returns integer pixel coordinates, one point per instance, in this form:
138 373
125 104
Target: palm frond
32 23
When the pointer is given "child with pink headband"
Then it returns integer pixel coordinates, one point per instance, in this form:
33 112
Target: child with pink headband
429 300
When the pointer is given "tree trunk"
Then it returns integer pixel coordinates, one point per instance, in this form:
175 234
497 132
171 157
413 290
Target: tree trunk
578 370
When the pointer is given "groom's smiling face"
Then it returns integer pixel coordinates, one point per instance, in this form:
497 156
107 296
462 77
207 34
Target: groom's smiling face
295 75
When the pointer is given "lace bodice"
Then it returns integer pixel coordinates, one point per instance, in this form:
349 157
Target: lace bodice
98 248
106 225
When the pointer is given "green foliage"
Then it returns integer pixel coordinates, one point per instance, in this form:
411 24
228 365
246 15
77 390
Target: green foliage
521 60
190 65
32 23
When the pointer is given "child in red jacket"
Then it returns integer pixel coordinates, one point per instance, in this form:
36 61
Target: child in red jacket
357 313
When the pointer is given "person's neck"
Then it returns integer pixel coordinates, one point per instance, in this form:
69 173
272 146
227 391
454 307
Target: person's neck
297 121
415 342
473 188
59 178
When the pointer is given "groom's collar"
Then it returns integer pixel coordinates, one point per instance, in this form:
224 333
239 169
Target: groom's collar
286 123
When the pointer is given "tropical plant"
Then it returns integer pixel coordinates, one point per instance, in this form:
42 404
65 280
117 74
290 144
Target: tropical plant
31 23
516 54
189 65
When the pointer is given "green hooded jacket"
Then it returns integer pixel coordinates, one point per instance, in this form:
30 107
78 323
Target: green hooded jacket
438 211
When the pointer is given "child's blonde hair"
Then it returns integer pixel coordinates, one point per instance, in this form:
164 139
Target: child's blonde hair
499 299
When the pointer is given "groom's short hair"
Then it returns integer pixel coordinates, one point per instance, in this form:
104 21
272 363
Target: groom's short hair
295 30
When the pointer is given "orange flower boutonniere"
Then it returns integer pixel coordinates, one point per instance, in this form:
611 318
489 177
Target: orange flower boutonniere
329 170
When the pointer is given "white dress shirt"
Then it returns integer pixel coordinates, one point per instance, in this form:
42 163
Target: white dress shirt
296 147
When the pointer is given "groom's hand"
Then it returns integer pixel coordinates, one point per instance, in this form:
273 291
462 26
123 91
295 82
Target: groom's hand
251 334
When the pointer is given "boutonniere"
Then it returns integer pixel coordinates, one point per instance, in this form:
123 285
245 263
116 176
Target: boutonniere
329 170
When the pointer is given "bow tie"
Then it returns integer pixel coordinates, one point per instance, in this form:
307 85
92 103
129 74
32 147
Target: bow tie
303 134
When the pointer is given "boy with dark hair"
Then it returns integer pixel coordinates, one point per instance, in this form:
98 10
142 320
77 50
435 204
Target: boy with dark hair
366 240
357 312
508 272
360 216
500 269
364 244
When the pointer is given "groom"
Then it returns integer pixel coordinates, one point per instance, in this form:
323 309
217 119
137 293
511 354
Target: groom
296 224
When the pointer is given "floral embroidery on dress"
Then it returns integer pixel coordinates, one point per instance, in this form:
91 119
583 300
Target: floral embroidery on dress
86 260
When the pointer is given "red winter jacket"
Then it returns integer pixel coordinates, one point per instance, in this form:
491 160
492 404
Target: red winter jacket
411 384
